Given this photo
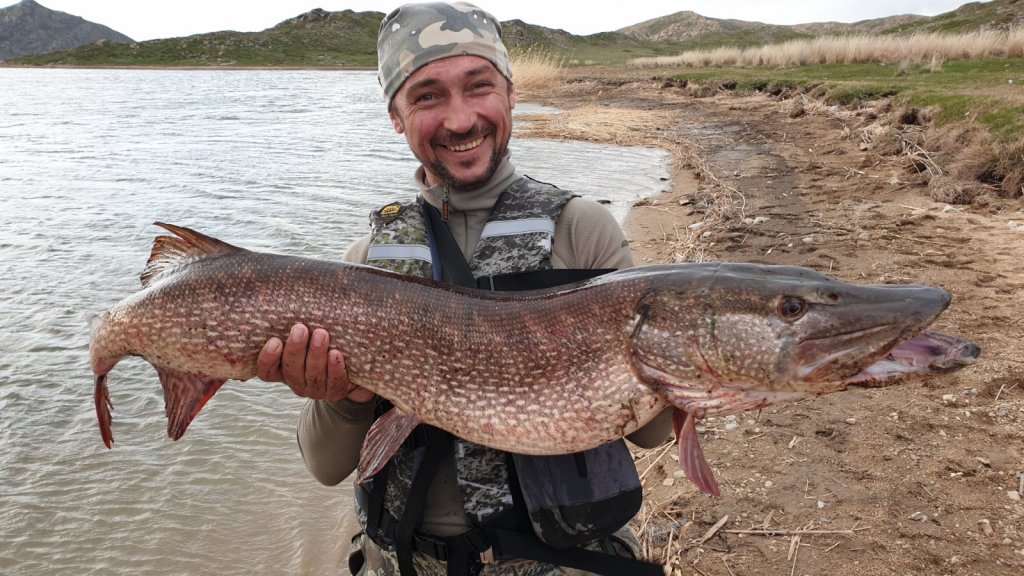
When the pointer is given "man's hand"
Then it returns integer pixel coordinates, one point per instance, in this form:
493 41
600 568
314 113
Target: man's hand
309 366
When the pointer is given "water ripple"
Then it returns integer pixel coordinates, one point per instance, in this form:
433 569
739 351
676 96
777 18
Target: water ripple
284 161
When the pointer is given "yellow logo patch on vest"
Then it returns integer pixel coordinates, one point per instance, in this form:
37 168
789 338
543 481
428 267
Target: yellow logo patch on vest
391 211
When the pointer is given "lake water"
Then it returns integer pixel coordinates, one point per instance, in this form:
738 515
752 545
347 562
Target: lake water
285 161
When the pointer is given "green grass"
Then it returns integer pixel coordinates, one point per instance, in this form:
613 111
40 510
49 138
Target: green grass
345 40
976 90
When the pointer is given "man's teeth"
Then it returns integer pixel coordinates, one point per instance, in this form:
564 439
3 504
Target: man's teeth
466 146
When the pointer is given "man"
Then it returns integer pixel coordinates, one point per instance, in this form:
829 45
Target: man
444 505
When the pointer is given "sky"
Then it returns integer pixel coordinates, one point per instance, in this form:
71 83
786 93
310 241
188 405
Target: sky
149 19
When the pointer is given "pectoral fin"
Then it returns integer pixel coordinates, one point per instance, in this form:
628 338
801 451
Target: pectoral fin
383 439
184 396
691 456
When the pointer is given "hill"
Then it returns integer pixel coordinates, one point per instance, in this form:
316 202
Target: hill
689 28
29 28
693 30
317 38
320 38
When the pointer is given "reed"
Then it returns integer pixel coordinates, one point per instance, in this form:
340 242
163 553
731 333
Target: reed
923 48
534 70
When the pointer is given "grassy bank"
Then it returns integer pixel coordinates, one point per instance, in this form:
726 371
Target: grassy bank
972 110
962 120
963 90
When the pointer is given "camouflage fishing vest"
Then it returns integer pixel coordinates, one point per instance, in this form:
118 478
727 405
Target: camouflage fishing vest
516 238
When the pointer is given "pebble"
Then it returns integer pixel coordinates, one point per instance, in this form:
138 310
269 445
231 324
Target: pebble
985 526
668 481
1014 495
821 504
851 421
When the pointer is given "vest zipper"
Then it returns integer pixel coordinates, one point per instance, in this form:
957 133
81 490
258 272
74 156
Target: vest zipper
446 203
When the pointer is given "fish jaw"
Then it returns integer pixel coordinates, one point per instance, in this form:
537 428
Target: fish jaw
905 312
927 353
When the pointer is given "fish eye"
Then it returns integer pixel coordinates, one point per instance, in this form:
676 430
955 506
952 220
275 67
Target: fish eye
791 307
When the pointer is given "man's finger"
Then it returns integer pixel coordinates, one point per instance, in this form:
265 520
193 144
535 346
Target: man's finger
338 385
316 364
268 363
293 360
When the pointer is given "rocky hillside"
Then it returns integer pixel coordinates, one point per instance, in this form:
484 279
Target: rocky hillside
317 38
29 28
689 28
320 38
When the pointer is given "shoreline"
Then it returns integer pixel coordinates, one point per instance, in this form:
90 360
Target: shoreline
189 68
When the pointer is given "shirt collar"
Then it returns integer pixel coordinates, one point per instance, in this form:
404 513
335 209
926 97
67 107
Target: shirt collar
481 198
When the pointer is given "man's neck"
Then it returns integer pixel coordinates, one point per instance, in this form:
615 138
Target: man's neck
480 198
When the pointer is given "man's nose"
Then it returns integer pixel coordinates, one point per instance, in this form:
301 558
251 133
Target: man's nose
460 116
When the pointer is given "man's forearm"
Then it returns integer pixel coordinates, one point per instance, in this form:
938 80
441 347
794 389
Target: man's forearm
330 435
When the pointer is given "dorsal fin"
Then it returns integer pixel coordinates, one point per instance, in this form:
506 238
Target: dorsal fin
172 252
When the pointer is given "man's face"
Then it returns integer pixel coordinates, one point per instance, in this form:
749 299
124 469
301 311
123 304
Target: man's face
456 114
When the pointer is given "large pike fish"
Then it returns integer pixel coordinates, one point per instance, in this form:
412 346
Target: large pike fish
544 372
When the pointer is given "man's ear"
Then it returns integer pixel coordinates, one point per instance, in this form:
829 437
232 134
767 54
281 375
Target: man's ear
511 95
396 120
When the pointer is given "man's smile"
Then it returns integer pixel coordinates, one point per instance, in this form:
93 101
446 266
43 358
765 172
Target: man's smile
466 146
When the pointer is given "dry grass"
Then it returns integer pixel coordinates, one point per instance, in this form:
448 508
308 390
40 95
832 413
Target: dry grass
534 70
1011 167
929 49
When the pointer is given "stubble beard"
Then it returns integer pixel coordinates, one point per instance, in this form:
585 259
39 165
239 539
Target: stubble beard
445 175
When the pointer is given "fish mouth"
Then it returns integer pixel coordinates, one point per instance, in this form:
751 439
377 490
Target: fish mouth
878 325
927 353
840 355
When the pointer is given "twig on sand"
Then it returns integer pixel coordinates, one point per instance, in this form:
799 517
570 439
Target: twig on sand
1001 388
780 532
794 550
713 530
656 460
727 567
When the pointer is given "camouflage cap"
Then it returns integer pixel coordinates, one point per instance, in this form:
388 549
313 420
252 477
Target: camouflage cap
415 35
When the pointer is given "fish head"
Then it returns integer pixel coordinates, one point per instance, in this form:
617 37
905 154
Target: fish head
741 336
